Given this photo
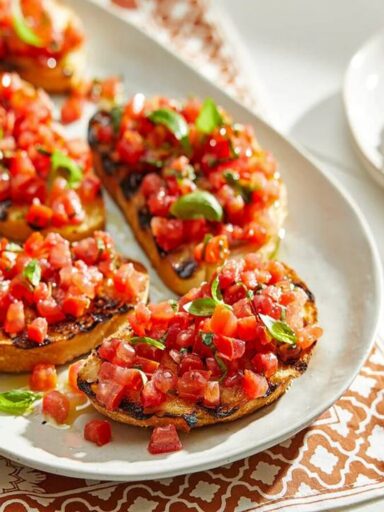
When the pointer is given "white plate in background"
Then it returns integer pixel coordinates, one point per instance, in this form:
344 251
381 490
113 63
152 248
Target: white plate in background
327 242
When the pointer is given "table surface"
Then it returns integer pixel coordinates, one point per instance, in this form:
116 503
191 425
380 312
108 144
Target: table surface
299 50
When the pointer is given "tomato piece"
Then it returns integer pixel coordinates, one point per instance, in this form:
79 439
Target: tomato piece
164 439
190 362
191 385
230 273
56 405
39 216
254 385
130 147
266 306
50 310
229 348
98 432
15 318
124 354
75 305
265 363
147 365
217 249
151 396
277 271
213 367
129 282
37 330
73 372
43 377
129 377
87 250
107 349
307 336
164 380
71 109
246 328
168 232
34 244
186 337
212 394
140 319
223 321
110 394
162 311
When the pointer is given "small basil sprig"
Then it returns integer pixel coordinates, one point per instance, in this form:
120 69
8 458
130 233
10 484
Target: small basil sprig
280 331
197 205
61 161
116 114
205 306
149 341
22 29
17 401
175 123
209 117
32 272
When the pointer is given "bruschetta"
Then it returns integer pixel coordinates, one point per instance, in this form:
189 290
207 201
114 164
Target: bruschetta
224 350
43 41
59 300
47 182
193 185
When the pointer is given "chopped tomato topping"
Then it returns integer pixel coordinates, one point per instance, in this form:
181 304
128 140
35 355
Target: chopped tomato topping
254 385
223 321
15 318
37 330
73 372
151 396
192 384
56 405
43 377
164 440
71 109
98 432
265 363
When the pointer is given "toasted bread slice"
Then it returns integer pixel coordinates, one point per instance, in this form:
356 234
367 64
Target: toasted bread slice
186 415
56 75
177 268
14 226
70 338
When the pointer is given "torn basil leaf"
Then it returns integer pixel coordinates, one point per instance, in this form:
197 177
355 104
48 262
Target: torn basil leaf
148 341
201 307
196 205
23 31
61 161
17 401
32 272
280 331
209 117
175 123
116 114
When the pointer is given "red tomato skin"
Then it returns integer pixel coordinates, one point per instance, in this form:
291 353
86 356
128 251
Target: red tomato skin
164 380
191 385
71 110
254 385
37 330
73 372
190 362
229 348
223 321
56 405
124 354
98 432
151 396
43 377
110 394
15 319
164 439
265 363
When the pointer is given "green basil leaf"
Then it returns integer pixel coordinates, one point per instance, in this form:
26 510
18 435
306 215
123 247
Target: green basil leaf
32 272
17 401
201 307
12 247
207 338
222 366
215 290
174 305
279 330
149 341
61 161
22 30
116 114
174 122
209 117
197 205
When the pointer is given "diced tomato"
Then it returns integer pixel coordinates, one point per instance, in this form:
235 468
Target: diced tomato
15 318
168 232
129 282
265 363
98 432
151 183
110 394
254 385
140 319
39 216
233 379
190 362
151 396
87 250
34 244
185 338
164 439
130 147
124 354
191 385
212 394
75 305
266 306
56 405
107 349
162 312
246 328
164 380
37 330
43 377
307 336
216 249
230 273
147 365
213 367
73 372
71 109
129 377
223 321
229 348
277 271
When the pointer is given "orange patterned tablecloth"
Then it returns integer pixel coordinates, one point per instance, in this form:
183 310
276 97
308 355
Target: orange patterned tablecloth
337 461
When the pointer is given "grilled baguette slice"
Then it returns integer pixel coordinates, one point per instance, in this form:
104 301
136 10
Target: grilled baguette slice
177 268
63 73
14 226
186 415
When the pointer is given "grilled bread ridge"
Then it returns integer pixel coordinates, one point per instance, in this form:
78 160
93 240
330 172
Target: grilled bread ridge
68 339
185 415
178 269
14 226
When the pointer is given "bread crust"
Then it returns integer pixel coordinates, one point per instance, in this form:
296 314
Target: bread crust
177 269
185 415
70 338
14 226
